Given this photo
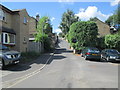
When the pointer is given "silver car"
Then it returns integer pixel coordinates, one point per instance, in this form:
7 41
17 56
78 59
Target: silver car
8 57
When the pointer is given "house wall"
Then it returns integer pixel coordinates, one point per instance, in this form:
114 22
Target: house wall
103 29
24 31
32 27
8 22
16 28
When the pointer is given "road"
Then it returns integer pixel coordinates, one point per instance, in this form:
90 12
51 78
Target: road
64 70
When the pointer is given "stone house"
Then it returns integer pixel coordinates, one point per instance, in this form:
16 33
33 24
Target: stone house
103 28
14 28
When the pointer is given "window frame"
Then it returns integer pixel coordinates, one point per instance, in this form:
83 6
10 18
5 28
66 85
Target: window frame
2 15
8 39
25 20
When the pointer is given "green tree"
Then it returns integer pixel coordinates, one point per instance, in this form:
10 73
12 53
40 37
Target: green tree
112 20
44 25
115 18
68 18
84 32
43 29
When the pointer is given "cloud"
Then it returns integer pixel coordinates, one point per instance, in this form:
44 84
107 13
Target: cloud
115 2
90 12
52 19
57 31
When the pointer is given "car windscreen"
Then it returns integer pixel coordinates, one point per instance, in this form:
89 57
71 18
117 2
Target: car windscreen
113 52
2 47
95 50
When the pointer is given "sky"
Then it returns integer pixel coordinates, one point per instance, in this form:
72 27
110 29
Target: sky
84 10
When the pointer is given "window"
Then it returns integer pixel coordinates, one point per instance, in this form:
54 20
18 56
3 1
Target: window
8 38
25 20
2 15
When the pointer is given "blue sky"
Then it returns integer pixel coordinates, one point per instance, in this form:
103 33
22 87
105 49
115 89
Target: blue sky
54 10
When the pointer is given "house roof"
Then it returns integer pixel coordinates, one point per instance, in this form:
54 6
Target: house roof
8 30
18 10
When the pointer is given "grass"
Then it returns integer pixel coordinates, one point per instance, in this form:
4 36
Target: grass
29 56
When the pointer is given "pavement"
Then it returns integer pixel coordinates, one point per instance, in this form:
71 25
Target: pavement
63 69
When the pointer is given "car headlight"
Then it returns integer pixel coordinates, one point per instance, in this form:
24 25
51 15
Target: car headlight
9 56
112 57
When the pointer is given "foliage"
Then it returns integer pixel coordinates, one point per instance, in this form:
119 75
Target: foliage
115 18
112 20
68 18
44 25
113 41
44 28
84 32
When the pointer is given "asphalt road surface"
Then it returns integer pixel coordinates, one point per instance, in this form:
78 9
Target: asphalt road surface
64 70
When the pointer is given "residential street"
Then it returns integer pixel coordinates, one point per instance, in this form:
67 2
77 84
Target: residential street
64 70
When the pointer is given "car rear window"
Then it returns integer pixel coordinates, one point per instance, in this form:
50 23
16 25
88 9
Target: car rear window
94 50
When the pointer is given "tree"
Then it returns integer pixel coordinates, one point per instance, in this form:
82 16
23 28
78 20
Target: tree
84 33
67 19
112 20
44 25
43 29
115 18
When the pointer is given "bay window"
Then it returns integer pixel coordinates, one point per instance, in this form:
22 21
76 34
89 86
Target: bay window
8 38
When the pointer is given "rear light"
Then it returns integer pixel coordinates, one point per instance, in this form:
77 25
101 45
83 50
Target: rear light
87 53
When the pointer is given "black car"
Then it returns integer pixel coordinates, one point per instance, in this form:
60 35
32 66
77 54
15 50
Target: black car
110 55
91 53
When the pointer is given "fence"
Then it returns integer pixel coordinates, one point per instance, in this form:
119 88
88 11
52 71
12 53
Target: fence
35 47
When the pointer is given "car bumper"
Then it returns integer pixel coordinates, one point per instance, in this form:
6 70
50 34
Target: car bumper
14 61
114 59
93 57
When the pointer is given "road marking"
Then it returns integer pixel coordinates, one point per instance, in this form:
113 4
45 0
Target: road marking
22 78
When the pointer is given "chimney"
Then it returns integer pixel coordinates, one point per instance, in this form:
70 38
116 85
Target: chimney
37 17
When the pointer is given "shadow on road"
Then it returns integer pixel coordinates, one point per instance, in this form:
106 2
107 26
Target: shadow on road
41 60
93 60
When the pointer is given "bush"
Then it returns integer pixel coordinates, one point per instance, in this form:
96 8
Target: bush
85 33
113 41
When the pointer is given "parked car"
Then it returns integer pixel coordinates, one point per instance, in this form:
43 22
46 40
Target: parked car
110 55
91 53
8 57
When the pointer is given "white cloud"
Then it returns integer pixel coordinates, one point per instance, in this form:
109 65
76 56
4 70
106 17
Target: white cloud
115 2
52 19
90 12
57 31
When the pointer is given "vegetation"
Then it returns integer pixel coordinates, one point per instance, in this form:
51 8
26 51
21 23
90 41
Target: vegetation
68 18
84 33
115 18
44 30
113 41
